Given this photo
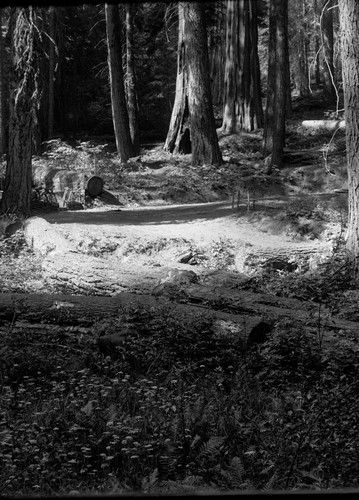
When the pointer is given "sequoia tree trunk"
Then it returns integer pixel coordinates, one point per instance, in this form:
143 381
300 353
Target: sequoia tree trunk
192 128
205 148
274 129
217 58
4 96
51 93
327 34
118 97
349 26
131 80
178 136
242 102
299 48
23 107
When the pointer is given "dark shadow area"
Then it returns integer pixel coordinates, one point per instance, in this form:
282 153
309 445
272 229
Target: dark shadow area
177 214
144 215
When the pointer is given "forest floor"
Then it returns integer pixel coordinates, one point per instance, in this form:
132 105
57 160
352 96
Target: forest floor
168 207
184 404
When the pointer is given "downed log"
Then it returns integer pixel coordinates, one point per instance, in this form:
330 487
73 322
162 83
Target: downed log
324 124
80 310
66 269
94 186
44 239
240 302
236 306
79 273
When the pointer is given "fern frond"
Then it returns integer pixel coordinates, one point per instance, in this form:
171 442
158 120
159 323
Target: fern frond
88 408
150 482
236 472
193 481
211 447
270 483
111 414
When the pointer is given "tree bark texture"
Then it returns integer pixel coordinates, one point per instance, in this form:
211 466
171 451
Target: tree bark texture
205 148
217 58
4 94
23 108
327 35
299 47
349 27
274 130
192 127
131 86
242 94
317 45
178 137
51 70
118 98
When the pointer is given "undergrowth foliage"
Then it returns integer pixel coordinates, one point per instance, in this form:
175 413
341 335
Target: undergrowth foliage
176 410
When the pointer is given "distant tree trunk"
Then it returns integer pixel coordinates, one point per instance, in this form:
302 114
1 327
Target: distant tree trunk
131 86
4 92
192 127
242 102
51 90
317 45
274 130
24 101
327 35
349 27
217 58
299 48
118 97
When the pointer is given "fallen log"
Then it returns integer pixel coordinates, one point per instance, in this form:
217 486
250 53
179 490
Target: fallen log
239 302
84 311
324 124
44 239
65 269
89 275
239 307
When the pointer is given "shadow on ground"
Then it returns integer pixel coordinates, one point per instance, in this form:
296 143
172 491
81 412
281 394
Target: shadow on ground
173 214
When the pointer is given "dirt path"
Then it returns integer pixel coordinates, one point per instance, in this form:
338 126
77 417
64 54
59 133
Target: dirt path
142 245
199 223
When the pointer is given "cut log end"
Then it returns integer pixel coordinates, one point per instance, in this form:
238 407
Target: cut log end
94 186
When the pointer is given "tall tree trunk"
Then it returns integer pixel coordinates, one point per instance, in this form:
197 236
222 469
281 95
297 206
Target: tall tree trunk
349 27
118 97
178 139
192 127
131 80
327 35
217 58
242 102
4 91
274 132
317 44
24 101
205 148
51 89
299 47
